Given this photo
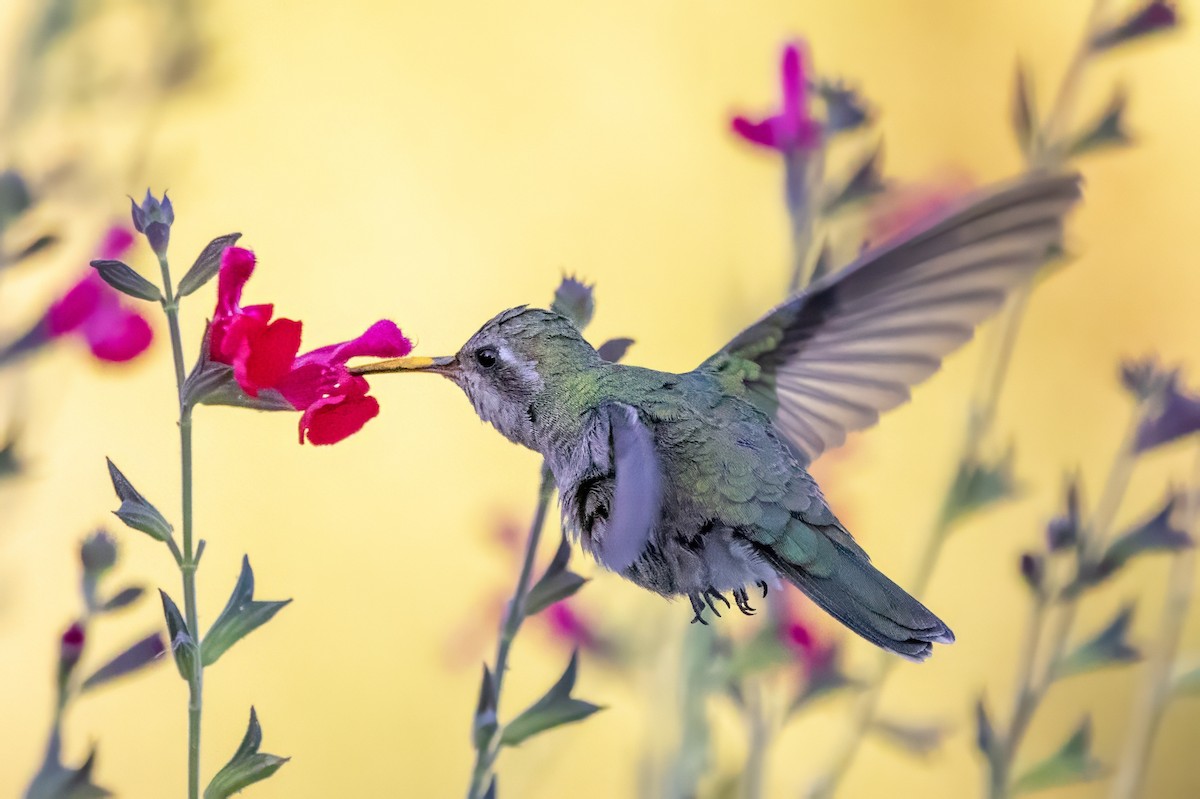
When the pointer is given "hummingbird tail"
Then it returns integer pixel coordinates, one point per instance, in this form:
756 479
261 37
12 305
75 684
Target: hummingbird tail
869 603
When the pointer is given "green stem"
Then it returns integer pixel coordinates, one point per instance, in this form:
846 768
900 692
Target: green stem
758 743
485 755
1156 691
186 560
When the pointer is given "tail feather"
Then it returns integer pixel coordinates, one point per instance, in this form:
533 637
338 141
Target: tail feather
869 603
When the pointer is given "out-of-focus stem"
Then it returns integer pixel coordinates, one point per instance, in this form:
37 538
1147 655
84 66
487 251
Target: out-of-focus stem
1156 690
804 172
186 560
1031 690
758 742
486 754
981 414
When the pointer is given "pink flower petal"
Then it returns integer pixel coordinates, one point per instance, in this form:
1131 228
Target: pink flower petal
332 419
381 340
761 133
116 242
793 82
266 353
118 335
79 303
237 265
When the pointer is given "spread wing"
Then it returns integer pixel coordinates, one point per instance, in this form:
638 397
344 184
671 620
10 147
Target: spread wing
851 345
615 497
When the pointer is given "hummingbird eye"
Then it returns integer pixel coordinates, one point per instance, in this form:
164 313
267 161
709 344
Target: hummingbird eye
486 357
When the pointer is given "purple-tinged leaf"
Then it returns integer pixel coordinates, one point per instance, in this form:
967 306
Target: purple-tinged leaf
1109 647
614 349
123 598
143 653
207 264
1107 131
1033 570
985 733
864 182
1152 17
485 722
1063 531
574 299
1177 416
122 277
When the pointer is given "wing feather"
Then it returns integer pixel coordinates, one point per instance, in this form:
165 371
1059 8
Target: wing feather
852 345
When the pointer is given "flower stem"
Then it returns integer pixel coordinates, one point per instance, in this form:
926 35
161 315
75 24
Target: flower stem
486 754
1032 689
1156 690
758 742
186 560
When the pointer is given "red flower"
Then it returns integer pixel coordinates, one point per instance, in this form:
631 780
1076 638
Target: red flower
564 623
262 353
71 646
792 127
94 310
816 655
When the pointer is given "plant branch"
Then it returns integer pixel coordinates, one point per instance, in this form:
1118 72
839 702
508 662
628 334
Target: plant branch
488 751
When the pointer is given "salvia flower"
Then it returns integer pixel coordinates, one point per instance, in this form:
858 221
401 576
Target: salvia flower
1155 16
816 655
263 355
71 646
153 219
98 553
908 206
792 127
96 312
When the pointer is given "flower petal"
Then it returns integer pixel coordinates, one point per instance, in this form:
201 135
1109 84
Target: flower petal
237 265
381 340
265 353
762 133
74 308
331 419
118 334
793 82
115 243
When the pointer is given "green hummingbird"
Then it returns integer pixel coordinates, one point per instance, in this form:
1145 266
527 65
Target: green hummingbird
696 484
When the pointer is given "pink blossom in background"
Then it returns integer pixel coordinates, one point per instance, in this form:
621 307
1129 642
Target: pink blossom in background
97 313
813 650
911 205
792 127
567 625
334 404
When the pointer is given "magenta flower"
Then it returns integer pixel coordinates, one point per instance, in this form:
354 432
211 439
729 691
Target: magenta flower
94 310
567 625
334 404
815 654
906 207
791 128
71 646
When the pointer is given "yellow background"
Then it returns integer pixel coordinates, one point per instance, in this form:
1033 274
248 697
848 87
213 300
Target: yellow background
434 163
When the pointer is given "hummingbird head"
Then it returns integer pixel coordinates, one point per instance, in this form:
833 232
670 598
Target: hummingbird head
514 361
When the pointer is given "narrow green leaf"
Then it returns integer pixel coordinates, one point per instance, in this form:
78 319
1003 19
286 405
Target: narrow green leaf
122 599
143 653
136 511
485 723
864 182
207 264
980 484
1024 114
124 279
57 781
246 767
1109 647
491 791
917 739
551 589
241 616
554 709
182 643
985 733
1071 764
1108 130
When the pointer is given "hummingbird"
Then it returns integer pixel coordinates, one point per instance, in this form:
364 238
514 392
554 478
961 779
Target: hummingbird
696 484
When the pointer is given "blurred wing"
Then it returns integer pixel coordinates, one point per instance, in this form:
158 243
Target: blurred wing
637 493
835 356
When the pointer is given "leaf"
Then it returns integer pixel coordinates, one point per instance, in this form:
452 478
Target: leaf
135 510
1109 647
985 733
1176 415
43 242
1071 764
845 109
207 264
979 484
123 598
486 722
1024 113
1107 131
918 739
1063 531
246 767
182 643
557 583
1156 534
866 181
242 615
1033 570
614 349
491 791
143 653
124 279
1152 17
15 198
57 781
1186 681
575 300
554 709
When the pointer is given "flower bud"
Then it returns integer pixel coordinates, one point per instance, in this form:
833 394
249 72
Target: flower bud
98 553
153 219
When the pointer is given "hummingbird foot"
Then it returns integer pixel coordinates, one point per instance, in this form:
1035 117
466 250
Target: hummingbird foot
763 585
743 601
697 608
712 594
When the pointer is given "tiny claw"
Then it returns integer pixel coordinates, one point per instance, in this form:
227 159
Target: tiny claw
763 585
712 594
743 601
698 609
